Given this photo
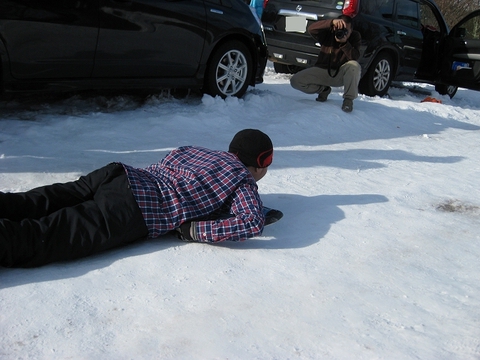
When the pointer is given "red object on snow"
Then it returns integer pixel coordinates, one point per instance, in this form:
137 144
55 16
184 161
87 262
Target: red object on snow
431 99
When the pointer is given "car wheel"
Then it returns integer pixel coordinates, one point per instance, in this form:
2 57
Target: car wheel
378 78
229 71
286 69
444 89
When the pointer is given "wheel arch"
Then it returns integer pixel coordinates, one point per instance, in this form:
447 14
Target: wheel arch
392 52
248 41
370 78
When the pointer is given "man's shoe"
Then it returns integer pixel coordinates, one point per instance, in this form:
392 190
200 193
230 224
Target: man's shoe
323 95
347 105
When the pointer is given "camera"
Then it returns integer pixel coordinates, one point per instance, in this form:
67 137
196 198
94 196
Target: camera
341 33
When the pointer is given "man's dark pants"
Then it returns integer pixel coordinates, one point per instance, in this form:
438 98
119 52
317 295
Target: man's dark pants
68 221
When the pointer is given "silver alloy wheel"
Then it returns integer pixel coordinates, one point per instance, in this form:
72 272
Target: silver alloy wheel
382 75
231 72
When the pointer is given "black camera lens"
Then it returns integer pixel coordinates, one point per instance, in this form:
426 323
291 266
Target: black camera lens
341 33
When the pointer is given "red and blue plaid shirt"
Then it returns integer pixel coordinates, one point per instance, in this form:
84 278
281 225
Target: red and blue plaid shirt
193 183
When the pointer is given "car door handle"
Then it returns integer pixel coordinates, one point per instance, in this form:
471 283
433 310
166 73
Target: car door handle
216 11
401 33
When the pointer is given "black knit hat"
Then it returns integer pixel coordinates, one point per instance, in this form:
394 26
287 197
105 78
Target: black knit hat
253 148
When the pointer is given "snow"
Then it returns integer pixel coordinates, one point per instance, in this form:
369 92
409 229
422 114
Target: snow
377 256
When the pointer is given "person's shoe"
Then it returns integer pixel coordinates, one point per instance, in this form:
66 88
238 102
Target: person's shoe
347 105
323 95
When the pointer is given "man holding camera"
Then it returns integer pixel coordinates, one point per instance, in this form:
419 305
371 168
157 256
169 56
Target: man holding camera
336 64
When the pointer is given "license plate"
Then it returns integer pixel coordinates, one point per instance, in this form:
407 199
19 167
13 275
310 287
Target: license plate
296 24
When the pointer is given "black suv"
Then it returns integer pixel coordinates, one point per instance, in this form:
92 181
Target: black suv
402 40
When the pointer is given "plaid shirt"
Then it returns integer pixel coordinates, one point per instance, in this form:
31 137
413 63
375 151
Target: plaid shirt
193 183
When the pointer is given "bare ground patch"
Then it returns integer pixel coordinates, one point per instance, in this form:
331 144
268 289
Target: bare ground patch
458 206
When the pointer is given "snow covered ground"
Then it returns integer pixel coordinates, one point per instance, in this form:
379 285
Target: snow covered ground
377 256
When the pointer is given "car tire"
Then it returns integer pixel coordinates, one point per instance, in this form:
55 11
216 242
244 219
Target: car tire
229 71
286 69
444 89
379 76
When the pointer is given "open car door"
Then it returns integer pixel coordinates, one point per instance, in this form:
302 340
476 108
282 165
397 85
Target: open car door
461 61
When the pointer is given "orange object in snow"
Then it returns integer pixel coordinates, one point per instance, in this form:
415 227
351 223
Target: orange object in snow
431 99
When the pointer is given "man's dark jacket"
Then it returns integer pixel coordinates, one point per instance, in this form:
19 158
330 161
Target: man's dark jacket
334 54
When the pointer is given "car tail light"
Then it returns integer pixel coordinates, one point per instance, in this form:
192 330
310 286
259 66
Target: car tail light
265 3
350 8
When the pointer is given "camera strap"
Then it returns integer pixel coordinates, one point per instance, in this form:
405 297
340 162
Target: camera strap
330 65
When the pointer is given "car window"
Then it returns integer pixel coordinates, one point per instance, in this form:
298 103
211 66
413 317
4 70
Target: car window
470 29
428 19
386 9
407 14
383 8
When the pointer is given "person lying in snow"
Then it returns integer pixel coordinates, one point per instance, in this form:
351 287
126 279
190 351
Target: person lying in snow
200 194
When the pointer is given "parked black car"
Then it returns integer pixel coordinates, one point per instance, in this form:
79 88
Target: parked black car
403 40
217 46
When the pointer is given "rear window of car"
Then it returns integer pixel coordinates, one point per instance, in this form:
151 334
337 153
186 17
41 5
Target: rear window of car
407 14
382 8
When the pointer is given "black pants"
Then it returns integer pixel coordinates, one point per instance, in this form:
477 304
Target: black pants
69 221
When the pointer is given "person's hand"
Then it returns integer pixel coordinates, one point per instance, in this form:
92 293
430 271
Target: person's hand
184 231
339 24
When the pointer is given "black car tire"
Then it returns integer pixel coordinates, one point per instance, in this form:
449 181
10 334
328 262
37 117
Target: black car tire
230 70
286 69
444 89
379 76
